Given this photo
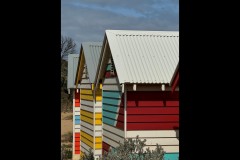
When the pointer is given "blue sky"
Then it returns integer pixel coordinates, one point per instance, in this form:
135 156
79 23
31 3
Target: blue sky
86 20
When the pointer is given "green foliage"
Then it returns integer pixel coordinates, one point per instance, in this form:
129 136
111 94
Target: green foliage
66 152
88 156
131 149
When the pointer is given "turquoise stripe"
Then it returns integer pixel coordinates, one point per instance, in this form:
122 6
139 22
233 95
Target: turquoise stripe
171 156
109 67
77 121
110 108
110 101
108 121
116 94
109 115
77 117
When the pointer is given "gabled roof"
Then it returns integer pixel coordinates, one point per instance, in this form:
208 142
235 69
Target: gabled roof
142 56
90 54
72 68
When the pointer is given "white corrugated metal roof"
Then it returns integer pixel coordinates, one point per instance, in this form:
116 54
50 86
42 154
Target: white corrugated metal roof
144 56
72 69
91 52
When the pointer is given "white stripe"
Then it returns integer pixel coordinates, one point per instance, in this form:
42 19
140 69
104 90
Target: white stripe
90 109
85 86
90 126
77 109
88 103
113 136
153 133
84 81
113 130
77 126
167 149
98 152
112 87
98 133
86 108
98 104
77 113
85 146
110 142
110 81
88 131
77 130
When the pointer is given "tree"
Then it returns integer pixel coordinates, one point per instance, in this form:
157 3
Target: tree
68 46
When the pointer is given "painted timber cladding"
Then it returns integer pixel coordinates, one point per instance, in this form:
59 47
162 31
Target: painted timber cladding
76 123
144 56
154 110
91 118
112 108
91 106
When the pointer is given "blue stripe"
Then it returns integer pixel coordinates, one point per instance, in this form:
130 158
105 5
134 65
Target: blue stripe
77 117
77 121
110 101
110 115
171 156
110 108
116 94
108 121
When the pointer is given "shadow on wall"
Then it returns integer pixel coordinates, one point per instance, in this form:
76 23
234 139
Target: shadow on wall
176 129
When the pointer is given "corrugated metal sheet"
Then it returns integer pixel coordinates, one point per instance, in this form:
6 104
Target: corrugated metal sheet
144 56
92 52
72 68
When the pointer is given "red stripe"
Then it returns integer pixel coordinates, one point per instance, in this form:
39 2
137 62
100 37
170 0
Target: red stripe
120 125
152 126
77 143
152 110
77 151
172 103
109 74
152 95
77 99
77 138
152 118
145 103
77 134
105 147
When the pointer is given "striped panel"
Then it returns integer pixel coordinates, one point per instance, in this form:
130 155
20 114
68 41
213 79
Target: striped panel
112 80
153 133
77 143
163 113
85 86
112 87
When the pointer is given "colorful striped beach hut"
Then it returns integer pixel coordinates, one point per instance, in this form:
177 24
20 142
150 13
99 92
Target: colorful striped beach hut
72 68
90 101
135 69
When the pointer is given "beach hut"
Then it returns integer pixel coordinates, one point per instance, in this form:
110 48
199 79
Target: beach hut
72 68
90 101
135 69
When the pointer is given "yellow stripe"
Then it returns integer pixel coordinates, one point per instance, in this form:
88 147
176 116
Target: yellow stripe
87 97
86 91
87 136
88 114
98 146
100 86
90 144
98 122
98 139
98 115
98 98
85 119
92 86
